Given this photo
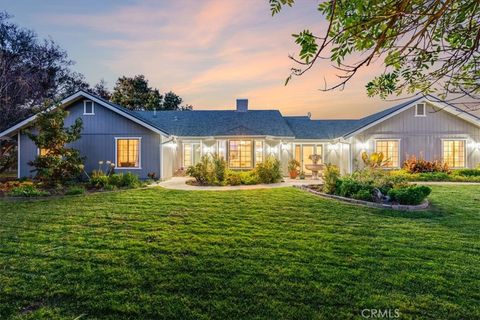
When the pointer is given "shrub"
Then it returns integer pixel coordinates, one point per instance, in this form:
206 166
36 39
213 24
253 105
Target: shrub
411 195
203 171
269 170
467 172
433 176
363 194
98 180
374 160
233 178
129 180
27 191
248 177
116 179
414 165
350 186
74 190
152 175
331 176
219 168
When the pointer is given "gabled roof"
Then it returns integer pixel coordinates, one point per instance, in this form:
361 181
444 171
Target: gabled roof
210 123
83 94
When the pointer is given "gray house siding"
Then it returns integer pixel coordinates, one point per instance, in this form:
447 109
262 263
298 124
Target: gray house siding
420 136
98 140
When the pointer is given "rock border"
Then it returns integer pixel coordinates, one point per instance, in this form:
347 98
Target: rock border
398 207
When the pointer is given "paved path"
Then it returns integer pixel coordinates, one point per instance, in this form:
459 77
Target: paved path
178 183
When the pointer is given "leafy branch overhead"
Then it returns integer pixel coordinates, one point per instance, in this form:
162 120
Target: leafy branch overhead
425 46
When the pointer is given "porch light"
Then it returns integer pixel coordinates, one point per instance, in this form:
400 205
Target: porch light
172 145
362 145
285 146
333 147
207 149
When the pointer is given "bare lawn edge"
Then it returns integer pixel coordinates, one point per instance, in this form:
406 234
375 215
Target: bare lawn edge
398 207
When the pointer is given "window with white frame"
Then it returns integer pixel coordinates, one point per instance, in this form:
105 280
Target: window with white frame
128 153
191 154
258 151
454 153
240 154
88 108
420 110
303 153
390 151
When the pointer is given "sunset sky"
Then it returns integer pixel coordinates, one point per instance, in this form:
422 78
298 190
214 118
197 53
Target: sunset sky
209 52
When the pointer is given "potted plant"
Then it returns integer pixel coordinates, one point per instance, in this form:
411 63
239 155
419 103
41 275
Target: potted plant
293 166
302 175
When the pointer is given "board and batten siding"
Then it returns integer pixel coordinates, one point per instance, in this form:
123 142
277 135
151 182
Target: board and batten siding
98 141
421 136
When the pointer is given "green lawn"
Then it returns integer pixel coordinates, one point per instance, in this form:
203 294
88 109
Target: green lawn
277 253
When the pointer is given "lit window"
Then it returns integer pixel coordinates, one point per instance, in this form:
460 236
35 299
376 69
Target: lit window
88 108
128 153
454 153
240 154
420 110
390 150
191 154
258 152
43 151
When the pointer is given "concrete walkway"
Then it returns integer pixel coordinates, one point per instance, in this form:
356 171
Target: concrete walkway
178 183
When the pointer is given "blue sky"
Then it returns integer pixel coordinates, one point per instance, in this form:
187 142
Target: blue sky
209 52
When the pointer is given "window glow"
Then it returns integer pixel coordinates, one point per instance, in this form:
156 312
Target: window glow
390 150
240 154
128 153
454 153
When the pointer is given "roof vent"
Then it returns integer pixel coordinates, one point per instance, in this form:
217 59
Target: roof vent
155 112
242 105
309 115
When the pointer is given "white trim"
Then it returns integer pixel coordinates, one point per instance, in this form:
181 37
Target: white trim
465 145
85 113
161 158
18 156
424 109
84 94
399 150
139 153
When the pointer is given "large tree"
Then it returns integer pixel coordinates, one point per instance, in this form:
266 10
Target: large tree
429 46
32 70
134 93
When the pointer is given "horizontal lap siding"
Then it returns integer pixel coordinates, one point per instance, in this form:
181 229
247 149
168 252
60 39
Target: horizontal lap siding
98 140
422 136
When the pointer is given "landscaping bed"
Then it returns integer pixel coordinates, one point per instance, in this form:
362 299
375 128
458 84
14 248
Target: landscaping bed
317 190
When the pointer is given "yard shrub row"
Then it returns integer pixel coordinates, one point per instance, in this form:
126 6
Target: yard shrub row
212 170
373 185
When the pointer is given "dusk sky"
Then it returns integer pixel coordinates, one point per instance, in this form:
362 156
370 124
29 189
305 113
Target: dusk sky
209 52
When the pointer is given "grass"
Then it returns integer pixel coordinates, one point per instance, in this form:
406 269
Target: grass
276 253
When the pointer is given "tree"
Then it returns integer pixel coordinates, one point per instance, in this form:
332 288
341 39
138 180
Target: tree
135 94
8 154
172 101
101 90
427 46
31 71
56 163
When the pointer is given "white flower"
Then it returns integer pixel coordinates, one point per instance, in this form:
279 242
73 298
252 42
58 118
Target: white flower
100 162
108 161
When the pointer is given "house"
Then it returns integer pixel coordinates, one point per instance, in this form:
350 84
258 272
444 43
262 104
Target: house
145 142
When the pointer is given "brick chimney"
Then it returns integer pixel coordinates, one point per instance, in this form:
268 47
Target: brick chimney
242 105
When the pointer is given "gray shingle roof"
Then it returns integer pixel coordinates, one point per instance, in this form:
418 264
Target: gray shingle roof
219 123
305 128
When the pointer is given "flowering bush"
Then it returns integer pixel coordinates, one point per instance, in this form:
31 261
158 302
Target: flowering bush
420 165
